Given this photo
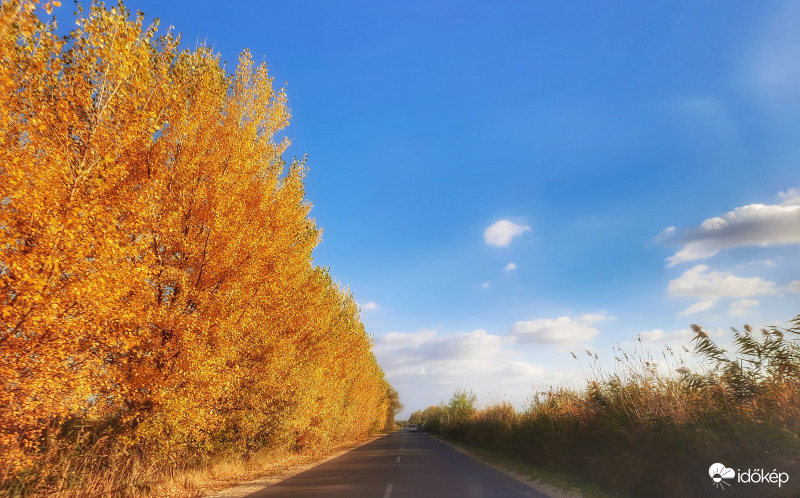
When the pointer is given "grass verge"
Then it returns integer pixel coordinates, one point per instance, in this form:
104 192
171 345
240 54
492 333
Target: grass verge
146 476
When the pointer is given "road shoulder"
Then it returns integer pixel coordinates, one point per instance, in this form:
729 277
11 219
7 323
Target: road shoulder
245 488
538 485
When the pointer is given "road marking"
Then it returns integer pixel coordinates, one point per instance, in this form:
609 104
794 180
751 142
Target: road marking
401 448
398 460
388 492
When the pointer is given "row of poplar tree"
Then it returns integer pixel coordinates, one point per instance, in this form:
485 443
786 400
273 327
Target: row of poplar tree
156 272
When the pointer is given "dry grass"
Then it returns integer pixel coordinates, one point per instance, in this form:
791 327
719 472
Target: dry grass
85 466
225 473
653 427
229 472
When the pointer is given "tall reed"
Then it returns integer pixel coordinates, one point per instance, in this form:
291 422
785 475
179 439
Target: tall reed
653 427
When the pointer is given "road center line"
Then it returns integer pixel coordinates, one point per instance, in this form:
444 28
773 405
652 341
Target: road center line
388 492
398 460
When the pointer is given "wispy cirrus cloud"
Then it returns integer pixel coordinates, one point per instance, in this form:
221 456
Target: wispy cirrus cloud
750 225
501 234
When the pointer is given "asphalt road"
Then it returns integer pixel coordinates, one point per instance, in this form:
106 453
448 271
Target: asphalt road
400 465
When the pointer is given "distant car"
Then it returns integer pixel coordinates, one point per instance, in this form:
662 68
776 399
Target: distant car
413 428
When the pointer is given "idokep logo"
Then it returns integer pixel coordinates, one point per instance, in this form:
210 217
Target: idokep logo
718 472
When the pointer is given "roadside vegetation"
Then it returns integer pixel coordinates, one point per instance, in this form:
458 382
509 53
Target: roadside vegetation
654 427
159 303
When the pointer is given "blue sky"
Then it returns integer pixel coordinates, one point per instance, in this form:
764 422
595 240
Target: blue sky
636 161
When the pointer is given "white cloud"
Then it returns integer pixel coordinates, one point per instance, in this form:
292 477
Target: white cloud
510 266
372 305
690 254
751 225
794 286
562 330
699 282
485 285
501 233
652 335
682 335
764 262
790 198
666 235
711 286
426 352
659 335
426 366
698 306
742 306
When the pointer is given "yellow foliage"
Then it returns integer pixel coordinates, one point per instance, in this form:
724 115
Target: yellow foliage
155 252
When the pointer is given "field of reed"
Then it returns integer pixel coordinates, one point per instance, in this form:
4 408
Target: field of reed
654 427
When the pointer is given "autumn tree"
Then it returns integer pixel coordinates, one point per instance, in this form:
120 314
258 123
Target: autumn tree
393 407
156 264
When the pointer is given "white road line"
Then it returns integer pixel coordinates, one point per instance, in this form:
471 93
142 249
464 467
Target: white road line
398 460
401 448
388 492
